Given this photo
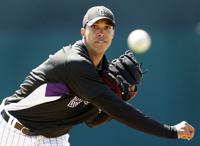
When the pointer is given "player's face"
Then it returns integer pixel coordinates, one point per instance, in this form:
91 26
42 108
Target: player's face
98 37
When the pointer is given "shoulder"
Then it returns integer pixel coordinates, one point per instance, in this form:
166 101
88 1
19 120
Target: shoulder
70 54
78 57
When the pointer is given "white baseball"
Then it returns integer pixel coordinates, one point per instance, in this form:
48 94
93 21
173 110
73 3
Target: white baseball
139 41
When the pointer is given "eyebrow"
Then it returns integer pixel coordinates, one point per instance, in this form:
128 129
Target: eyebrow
108 22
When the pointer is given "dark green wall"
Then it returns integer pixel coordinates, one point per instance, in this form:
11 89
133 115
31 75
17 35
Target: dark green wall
31 30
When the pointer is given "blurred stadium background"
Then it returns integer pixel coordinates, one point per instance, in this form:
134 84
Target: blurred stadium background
30 30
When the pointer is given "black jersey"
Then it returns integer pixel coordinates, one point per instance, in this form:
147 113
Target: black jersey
66 90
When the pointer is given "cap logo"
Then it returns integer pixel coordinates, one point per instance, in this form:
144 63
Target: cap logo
101 12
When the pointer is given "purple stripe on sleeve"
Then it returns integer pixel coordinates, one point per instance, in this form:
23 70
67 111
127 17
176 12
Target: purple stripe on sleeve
56 89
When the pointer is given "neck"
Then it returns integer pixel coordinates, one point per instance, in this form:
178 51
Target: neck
96 59
94 55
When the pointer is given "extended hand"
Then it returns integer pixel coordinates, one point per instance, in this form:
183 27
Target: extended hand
185 130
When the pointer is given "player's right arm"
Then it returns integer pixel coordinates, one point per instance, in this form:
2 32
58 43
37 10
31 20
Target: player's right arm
99 119
85 82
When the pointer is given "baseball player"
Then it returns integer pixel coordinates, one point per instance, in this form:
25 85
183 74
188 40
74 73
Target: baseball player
78 85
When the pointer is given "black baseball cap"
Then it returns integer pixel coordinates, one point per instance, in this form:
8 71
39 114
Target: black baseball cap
96 13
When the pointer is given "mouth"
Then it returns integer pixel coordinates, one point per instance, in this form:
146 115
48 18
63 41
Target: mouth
101 42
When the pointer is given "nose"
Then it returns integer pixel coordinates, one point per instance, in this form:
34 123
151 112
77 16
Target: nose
101 32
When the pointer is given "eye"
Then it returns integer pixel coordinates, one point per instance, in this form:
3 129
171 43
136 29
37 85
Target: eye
108 27
94 27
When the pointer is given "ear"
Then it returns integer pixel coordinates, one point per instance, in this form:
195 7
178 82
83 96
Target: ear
83 32
113 33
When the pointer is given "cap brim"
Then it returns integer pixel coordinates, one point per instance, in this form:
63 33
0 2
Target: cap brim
91 22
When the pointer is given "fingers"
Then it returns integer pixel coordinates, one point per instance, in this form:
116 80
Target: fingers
185 130
131 88
190 131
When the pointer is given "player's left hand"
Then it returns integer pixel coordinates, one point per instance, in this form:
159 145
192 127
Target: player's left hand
132 90
123 75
